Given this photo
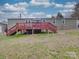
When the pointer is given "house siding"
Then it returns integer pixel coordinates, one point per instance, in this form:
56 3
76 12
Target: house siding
66 24
60 23
13 22
70 24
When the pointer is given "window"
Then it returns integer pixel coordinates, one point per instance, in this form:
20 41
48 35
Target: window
63 21
54 21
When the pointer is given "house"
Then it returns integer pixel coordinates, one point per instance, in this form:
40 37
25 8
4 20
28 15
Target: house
13 21
3 27
66 23
61 23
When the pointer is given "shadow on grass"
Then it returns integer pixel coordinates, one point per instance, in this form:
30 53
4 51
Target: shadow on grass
16 36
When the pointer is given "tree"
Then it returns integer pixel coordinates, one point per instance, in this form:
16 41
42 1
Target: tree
59 15
76 11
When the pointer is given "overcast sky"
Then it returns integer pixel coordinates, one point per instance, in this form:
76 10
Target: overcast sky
35 8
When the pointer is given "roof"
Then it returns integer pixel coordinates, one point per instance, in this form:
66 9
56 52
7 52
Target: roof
30 19
70 18
41 19
66 18
3 23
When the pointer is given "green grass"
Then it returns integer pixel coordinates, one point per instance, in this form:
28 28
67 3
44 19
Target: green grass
73 33
19 36
39 46
64 55
14 37
36 51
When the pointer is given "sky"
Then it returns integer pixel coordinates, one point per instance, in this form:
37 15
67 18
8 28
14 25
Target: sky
35 8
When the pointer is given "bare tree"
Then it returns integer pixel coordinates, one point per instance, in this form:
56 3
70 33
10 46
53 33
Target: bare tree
76 11
59 15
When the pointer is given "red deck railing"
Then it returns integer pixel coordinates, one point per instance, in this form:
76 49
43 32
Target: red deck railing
39 25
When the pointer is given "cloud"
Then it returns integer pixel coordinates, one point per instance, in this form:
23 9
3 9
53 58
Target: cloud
44 3
67 10
13 10
1 12
38 15
59 5
70 5
67 5
15 7
48 15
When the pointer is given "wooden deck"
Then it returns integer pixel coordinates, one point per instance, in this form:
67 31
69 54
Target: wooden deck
24 26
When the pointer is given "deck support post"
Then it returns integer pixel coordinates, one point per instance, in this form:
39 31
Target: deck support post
21 31
48 31
32 31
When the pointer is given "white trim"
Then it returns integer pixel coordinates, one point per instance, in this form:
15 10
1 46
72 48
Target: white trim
77 23
64 21
0 29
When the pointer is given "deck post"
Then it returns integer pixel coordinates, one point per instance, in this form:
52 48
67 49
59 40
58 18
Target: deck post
32 31
21 31
47 31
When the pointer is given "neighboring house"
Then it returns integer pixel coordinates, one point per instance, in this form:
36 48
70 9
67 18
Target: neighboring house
70 23
66 23
3 27
77 23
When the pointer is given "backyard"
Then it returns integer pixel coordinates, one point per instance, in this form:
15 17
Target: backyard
61 45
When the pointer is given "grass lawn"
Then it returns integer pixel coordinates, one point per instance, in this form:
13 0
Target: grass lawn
62 45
